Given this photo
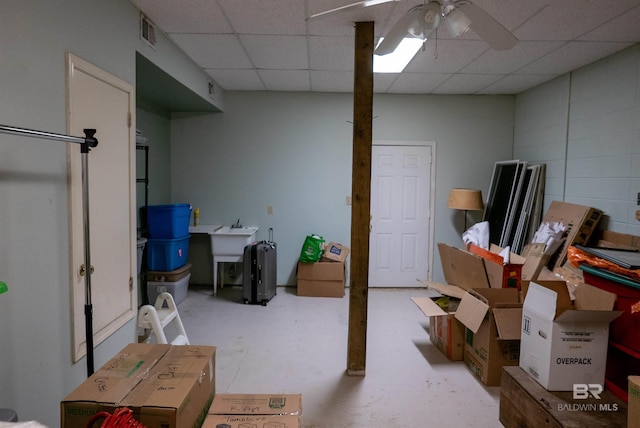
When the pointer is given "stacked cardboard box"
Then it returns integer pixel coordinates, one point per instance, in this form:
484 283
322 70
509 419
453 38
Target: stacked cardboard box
489 316
327 277
166 386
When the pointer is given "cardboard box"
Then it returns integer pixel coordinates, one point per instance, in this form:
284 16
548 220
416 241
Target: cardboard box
565 343
623 241
492 317
581 221
535 260
166 386
445 331
178 390
255 410
322 279
499 273
633 409
256 404
334 252
252 421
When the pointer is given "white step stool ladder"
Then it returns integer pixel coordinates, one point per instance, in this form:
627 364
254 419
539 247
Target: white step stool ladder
154 319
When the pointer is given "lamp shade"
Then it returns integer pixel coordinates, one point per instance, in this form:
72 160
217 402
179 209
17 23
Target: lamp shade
465 199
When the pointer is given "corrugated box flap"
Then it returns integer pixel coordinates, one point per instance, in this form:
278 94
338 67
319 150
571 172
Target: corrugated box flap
114 381
429 307
508 322
445 289
471 312
593 299
170 381
462 268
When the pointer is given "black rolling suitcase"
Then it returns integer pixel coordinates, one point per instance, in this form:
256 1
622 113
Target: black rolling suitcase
260 271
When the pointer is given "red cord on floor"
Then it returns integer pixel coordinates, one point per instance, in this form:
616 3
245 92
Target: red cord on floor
121 418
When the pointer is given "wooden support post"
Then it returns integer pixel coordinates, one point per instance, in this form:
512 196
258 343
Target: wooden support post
361 198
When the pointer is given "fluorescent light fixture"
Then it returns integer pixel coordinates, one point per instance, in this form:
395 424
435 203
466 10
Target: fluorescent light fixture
397 60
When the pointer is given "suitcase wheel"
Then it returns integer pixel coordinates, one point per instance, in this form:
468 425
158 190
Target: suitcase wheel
246 301
264 303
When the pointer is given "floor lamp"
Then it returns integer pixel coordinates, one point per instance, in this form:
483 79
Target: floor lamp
467 200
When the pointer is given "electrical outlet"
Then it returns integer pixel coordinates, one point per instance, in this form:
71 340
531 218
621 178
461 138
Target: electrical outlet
348 200
270 209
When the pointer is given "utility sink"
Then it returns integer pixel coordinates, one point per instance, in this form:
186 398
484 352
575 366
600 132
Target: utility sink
230 241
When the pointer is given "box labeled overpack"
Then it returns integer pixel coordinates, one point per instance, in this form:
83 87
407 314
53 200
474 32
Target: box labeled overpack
565 343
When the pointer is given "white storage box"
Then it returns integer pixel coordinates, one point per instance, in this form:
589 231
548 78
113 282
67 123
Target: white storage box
177 289
562 343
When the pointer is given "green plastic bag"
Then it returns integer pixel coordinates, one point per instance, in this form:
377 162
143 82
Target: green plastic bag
312 249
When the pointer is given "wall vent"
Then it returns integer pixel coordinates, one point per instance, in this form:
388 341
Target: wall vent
148 31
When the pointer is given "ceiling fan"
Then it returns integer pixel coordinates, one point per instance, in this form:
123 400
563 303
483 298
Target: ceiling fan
421 20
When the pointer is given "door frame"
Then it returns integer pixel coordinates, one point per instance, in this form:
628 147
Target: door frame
128 312
432 188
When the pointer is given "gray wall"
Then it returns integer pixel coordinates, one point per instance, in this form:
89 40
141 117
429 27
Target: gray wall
586 127
35 346
293 151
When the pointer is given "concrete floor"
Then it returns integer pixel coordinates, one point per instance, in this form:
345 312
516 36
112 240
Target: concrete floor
299 345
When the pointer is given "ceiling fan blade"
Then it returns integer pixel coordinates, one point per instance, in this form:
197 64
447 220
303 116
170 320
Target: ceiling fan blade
486 26
399 31
348 7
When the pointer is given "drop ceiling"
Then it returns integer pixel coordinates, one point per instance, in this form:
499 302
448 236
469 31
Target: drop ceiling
268 45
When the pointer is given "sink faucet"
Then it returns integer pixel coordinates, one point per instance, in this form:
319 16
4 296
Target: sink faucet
237 225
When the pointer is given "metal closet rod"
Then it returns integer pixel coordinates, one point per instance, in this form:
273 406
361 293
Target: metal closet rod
86 143
88 139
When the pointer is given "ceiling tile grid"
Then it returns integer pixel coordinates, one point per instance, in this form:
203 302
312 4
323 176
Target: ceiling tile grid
271 45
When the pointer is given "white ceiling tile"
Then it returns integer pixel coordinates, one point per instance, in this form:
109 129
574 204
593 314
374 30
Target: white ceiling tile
418 83
265 16
331 81
571 56
213 51
492 61
279 52
445 56
383 81
331 53
514 84
237 80
286 80
466 83
201 16
569 19
623 28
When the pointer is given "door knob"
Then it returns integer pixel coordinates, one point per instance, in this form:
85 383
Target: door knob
83 270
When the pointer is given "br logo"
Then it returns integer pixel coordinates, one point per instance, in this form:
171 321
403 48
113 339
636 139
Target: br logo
582 391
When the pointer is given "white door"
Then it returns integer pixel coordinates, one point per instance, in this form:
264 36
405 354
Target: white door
400 215
99 100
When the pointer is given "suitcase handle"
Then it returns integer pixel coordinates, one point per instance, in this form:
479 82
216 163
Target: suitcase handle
271 234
